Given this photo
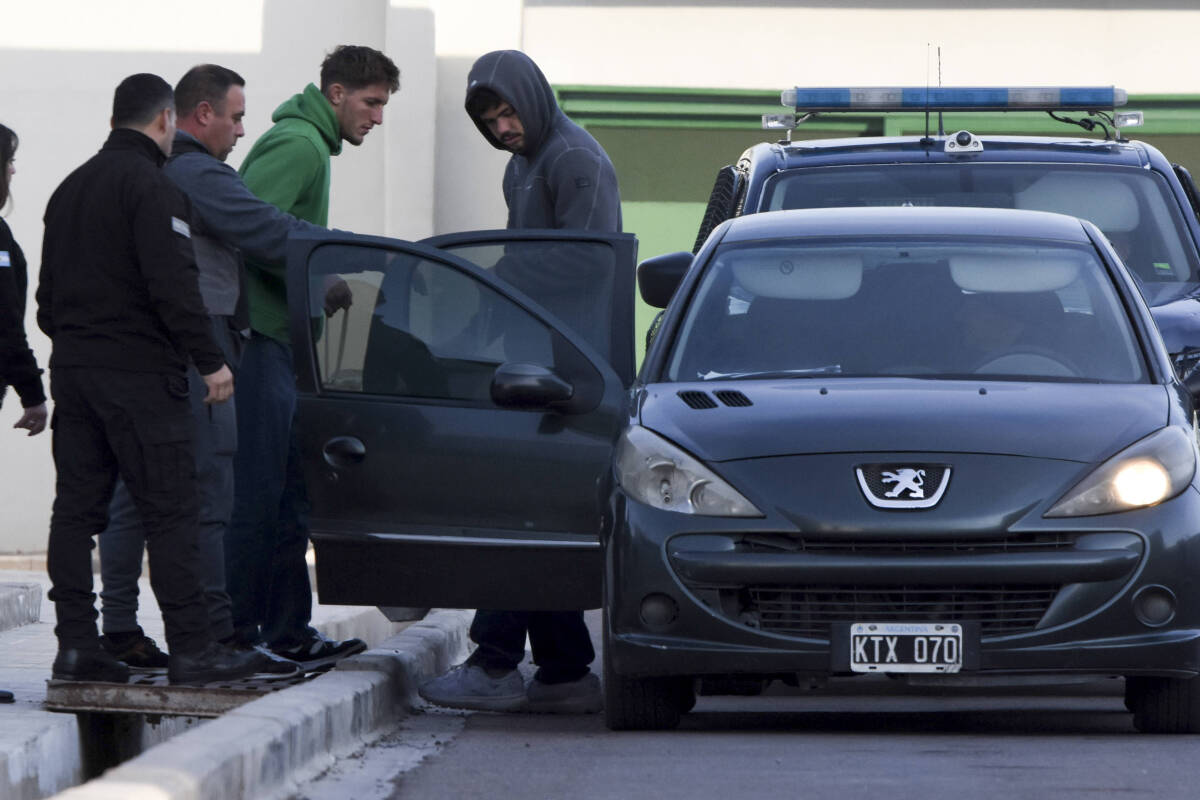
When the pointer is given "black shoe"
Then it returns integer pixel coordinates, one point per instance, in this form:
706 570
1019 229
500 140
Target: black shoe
79 664
320 652
215 662
136 649
266 662
6 696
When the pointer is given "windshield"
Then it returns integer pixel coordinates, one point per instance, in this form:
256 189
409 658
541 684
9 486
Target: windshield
946 308
1133 207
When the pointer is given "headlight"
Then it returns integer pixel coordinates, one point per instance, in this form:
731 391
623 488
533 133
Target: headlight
1147 472
655 472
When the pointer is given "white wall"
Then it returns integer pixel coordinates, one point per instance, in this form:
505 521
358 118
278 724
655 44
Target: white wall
1148 47
60 61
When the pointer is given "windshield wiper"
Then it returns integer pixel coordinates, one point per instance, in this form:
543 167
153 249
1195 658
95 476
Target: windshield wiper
809 372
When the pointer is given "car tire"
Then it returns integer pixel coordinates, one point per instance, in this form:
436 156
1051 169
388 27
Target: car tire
687 695
720 204
1164 705
641 704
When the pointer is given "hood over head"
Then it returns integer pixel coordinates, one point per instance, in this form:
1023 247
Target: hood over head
519 82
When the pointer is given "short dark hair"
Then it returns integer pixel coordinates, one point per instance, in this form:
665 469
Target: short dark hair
357 67
482 100
8 149
205 83
139 99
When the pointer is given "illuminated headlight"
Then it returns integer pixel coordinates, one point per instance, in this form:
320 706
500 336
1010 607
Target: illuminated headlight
653 471
1150 471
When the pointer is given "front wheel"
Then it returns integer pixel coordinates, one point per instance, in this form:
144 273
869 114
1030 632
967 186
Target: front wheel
641 704
1164 705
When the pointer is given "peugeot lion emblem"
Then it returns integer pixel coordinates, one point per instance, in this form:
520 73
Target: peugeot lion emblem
910 486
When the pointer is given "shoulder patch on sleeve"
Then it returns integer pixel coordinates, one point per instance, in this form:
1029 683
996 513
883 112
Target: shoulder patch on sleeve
5 259
582 182
181 227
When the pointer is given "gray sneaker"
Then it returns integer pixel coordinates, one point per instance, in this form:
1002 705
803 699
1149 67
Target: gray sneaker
468 686
575 697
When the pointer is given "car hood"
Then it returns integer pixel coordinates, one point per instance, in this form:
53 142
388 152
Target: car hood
1178 321
756 418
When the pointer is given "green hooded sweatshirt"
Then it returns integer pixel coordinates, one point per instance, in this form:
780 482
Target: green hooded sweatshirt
289 167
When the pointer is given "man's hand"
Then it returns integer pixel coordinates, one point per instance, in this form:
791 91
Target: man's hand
34 419
337 295
220 385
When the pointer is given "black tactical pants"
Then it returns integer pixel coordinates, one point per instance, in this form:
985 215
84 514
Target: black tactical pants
138 425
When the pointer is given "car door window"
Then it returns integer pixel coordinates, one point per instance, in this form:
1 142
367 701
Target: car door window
574 280
418 327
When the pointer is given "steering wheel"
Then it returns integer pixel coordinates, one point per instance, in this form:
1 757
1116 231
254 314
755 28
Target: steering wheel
1029 360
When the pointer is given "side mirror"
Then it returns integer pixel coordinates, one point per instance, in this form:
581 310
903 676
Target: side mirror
659 277
530 387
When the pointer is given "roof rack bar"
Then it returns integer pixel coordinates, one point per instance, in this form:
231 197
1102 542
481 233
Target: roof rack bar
950 98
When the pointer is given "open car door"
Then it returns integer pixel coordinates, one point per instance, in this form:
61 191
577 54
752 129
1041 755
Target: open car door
456 432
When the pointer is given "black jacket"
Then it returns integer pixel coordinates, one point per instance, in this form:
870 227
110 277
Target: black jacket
17 365
118 286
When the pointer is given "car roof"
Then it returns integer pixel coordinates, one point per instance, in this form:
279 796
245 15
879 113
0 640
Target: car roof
906 221
904 149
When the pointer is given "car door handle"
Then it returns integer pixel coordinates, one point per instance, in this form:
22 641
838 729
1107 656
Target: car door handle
343 451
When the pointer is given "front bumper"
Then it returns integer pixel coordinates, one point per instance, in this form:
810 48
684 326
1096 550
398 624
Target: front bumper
1061 597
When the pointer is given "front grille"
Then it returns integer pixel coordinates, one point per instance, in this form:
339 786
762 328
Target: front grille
810 612
783 543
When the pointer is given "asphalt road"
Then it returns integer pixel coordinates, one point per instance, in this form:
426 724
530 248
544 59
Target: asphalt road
867 738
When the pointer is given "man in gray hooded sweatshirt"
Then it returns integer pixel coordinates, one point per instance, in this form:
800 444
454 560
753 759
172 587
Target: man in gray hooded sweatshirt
558 177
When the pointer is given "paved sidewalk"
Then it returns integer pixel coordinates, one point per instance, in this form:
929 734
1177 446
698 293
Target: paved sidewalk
259 750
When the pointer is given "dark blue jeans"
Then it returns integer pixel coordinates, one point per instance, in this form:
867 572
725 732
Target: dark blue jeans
562 647
265 571
123 542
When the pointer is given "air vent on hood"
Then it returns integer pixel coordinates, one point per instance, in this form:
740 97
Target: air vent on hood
732 397
697 399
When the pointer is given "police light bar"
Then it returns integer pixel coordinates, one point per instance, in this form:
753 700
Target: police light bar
940 98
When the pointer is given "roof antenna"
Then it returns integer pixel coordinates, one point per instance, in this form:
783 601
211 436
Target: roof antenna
926 140
941 127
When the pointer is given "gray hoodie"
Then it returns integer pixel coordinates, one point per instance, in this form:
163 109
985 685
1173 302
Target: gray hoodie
562 178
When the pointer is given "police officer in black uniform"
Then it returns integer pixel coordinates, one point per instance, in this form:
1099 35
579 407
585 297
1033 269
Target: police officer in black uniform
18 368
118 297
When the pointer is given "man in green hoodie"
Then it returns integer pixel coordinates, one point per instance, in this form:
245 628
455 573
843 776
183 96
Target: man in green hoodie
289 166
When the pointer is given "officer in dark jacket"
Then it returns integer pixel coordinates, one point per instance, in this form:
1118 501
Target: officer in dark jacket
118 297
18 368
558 177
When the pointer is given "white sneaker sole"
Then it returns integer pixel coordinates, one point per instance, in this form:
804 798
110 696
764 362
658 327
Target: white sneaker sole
502 703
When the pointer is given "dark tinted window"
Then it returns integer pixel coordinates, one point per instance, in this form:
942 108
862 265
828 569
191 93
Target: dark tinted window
981 308
572 280
421 328
1133 207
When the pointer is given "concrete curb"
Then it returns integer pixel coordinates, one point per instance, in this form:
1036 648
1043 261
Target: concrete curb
20 604
264 748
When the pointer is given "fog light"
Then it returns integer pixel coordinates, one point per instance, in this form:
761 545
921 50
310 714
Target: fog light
1154 606
659 611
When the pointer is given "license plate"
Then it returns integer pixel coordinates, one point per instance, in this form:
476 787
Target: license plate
906 647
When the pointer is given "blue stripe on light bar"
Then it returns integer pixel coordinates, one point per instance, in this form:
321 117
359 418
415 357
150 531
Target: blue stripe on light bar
954 98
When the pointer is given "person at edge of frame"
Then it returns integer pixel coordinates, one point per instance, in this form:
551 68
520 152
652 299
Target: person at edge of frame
557 177
289 167
118 297
18 367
